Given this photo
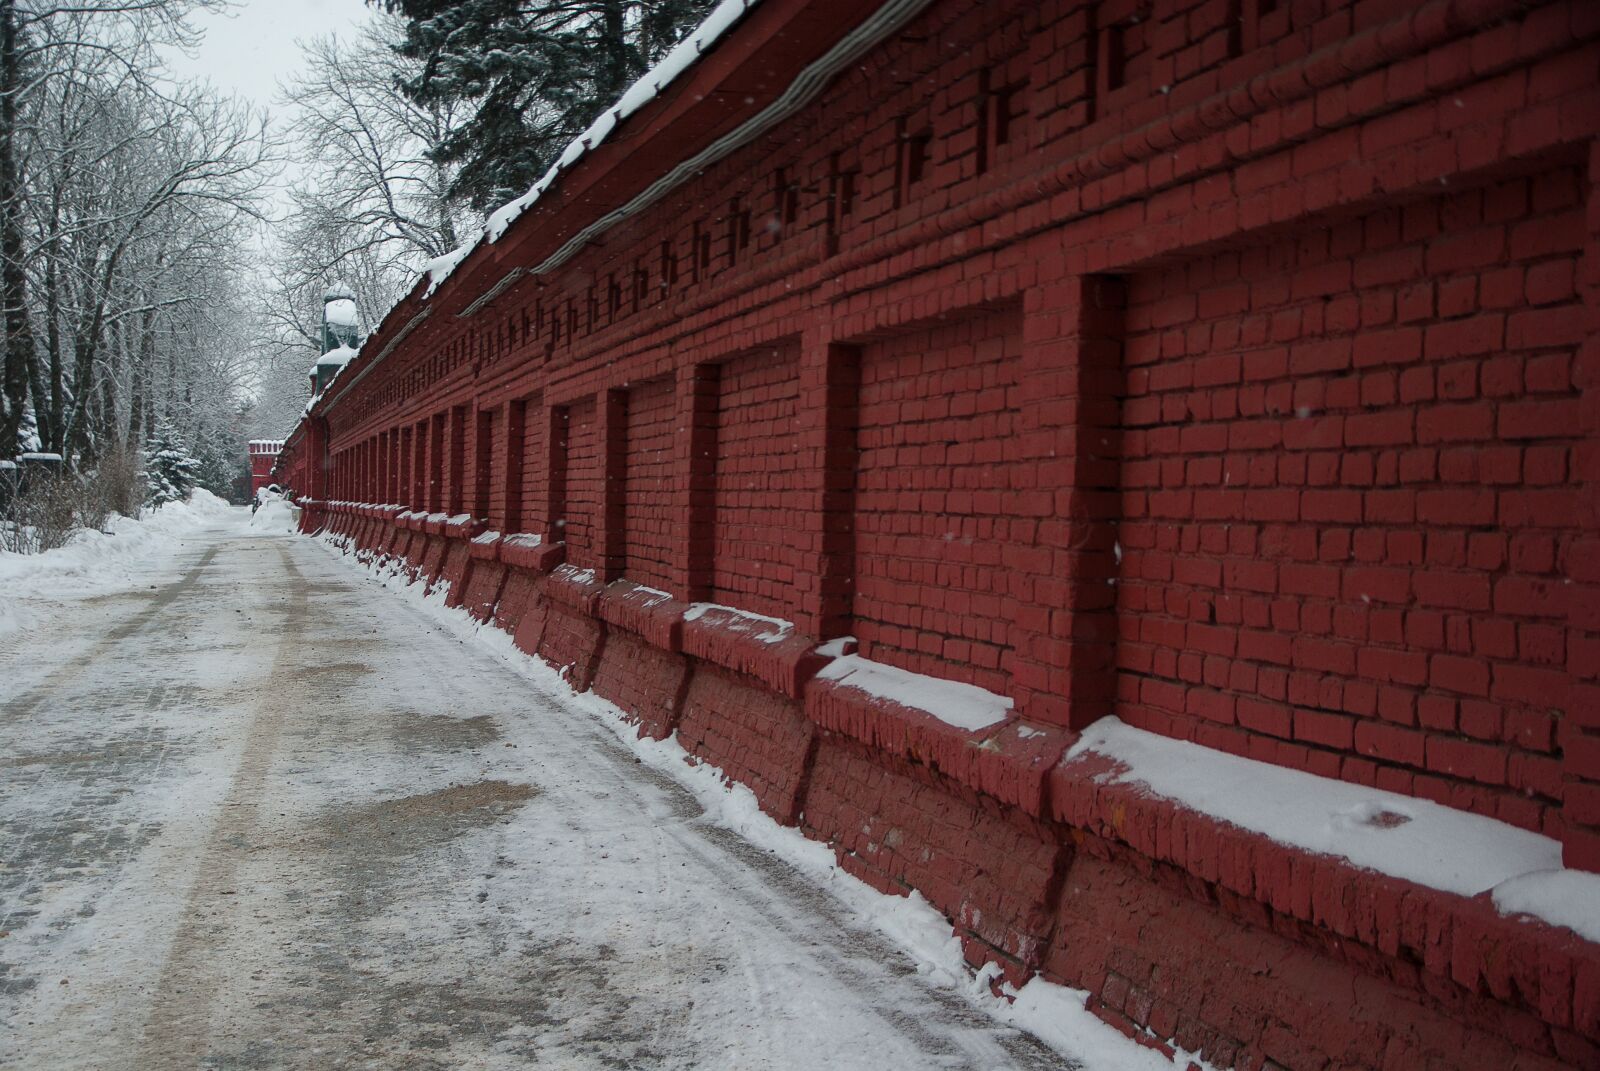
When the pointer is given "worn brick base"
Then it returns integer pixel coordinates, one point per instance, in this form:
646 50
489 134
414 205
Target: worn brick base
645 682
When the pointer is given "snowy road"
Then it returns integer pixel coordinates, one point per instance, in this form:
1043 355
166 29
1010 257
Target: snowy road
262 813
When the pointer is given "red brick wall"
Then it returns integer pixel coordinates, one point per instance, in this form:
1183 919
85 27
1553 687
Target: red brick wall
536 454
650 526
1348 472
755 542
1236 349
926 189
585 486
938 518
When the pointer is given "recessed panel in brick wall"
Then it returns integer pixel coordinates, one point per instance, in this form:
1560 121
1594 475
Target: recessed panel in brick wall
1349 496
648 485
535 467
488 478
758 475
585 486
936 499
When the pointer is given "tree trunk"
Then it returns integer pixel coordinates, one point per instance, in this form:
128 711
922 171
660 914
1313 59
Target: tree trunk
19 354
139 389
614 67
56 438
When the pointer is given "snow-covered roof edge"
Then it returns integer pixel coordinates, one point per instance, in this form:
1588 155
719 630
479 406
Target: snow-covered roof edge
642 92
883 18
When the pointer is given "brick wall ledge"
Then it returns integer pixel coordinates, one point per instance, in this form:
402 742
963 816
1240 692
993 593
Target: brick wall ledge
462 526
1010 762
485 546
539 557
576 589
783 660
1459 949
1044 864
649 613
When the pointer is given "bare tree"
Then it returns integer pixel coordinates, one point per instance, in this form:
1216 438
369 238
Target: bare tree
40 45
373 205
127 205
371 172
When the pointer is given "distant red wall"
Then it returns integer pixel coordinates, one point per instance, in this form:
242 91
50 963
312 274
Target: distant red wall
263 456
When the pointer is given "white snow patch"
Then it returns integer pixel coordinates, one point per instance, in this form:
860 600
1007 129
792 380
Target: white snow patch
440 268
276 514
337 357
341 311
777 629
837 648
1060 1017
1569 898
1408 838
965 706
98 563
486 538
523 539
574 574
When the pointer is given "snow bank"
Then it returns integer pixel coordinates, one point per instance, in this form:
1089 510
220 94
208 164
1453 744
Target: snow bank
275 514
1401 836
95 563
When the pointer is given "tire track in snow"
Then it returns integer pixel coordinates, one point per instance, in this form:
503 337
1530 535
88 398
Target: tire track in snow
28 702
177 1033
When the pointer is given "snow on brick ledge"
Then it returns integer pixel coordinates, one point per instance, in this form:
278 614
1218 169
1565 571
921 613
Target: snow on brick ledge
1411 839
964 706
762 628
1569 898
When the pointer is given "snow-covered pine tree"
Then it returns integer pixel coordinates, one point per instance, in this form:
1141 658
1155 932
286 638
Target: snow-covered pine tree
538 71
170 471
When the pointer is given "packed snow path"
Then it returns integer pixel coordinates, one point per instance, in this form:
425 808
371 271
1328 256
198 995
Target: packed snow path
261 813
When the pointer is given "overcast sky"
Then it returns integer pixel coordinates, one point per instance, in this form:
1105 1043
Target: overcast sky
251 48
248 50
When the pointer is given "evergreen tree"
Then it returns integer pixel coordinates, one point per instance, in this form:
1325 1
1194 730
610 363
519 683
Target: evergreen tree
222 458
169 469
538 71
